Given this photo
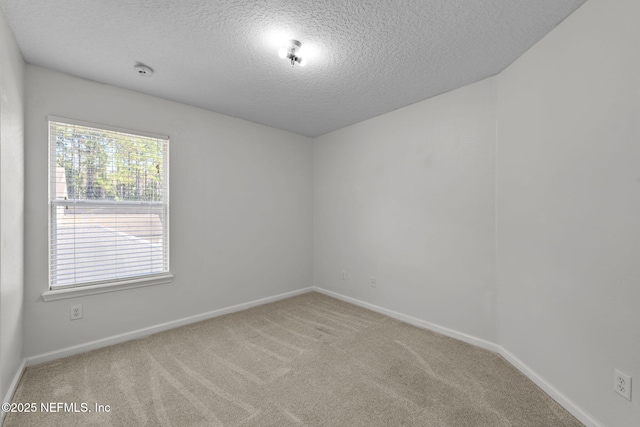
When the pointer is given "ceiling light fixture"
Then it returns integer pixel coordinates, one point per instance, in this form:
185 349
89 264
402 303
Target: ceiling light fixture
290 52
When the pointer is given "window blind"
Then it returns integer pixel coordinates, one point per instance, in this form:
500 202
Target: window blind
109 204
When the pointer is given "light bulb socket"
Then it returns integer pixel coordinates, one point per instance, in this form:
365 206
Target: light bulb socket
294 44
290 53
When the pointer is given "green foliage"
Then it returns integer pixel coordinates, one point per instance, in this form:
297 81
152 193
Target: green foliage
108 165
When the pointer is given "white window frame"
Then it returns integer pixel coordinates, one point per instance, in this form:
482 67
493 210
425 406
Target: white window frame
90 288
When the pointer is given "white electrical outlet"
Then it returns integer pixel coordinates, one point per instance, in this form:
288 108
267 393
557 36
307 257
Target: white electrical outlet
76 312
343 274
373 282
622 384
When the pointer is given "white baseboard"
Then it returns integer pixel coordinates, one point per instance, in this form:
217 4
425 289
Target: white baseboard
12 387
584 417
563 400
145 332
479 342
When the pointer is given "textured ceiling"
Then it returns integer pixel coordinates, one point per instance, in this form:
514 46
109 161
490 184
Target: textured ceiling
365 57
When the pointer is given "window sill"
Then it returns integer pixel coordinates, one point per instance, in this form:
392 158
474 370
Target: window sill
80 291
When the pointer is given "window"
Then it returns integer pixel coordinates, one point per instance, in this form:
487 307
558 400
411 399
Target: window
109 205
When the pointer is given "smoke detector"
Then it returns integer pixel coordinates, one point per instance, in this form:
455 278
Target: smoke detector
143 70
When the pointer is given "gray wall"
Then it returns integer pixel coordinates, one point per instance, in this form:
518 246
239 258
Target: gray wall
241 212
11 205
568 174
408 198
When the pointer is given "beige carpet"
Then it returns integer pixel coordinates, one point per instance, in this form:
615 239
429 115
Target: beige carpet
308 360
